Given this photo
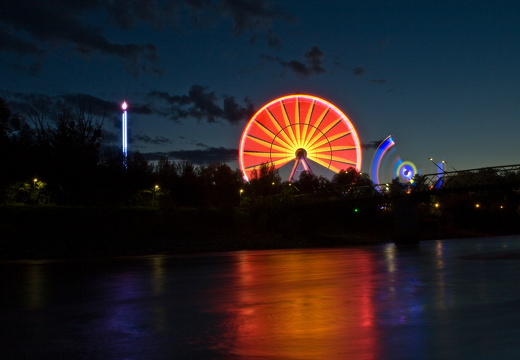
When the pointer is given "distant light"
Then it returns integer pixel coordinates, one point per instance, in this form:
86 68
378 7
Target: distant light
356 210
436 205
477 205
124 130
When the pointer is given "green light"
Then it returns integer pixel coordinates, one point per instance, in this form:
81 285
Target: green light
356 210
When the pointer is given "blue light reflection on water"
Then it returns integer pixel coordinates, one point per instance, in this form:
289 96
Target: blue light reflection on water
449 299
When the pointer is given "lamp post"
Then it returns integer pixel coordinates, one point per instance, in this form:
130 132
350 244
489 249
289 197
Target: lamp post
156 188
445 162
34 194
438 167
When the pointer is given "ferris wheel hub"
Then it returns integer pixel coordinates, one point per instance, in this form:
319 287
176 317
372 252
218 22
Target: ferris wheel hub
301 153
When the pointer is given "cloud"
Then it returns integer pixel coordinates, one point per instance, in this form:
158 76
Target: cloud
126 14
211 155
379 81
202 104
255 15
158 140
53 23
313 63
9 43
85 25
372 144
45 106
314 58
32 69
359 70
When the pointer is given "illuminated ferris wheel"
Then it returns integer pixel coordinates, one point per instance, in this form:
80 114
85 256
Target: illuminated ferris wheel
299 128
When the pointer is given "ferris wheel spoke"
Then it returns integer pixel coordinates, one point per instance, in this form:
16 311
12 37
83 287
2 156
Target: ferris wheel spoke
342 160
287 121
314 127
306 122
280 129
297 121
329 140
263 154
272 135
331 156
327 147
325 164
267 144
276 163
331 126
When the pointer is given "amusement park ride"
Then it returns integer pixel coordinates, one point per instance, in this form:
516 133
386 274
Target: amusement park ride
300 128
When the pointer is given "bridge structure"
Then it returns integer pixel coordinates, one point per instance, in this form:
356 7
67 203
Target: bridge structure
450 203
446 182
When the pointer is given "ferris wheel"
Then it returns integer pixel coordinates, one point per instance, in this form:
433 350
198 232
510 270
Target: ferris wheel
299 128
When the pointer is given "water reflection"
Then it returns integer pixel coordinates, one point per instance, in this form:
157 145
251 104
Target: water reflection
442 300
302 305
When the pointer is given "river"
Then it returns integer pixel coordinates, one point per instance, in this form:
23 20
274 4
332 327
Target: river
449 299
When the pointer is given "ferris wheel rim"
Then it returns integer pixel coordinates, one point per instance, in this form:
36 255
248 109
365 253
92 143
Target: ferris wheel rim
313 102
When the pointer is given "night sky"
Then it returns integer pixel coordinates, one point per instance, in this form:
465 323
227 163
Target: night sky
441 77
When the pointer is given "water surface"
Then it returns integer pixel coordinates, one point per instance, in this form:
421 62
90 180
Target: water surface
451 299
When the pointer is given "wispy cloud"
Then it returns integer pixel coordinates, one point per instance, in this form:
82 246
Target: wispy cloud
85 25
210 155
157 140
205 105
372 144
52 23
312 63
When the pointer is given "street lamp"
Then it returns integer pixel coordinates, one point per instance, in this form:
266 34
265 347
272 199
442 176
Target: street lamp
155 189
445 162
438 167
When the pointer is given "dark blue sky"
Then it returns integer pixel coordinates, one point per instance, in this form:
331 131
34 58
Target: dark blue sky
441 77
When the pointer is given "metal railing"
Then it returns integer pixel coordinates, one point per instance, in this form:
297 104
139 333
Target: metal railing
489 178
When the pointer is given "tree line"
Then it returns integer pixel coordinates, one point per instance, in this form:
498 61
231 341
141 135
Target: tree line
57 158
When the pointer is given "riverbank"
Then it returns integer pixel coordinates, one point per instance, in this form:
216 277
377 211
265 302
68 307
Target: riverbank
52 232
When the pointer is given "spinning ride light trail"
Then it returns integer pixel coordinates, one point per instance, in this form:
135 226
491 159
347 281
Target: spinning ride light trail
405 171
299 128
378 157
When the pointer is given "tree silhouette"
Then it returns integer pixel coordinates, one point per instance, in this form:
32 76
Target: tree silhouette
17 151
69 153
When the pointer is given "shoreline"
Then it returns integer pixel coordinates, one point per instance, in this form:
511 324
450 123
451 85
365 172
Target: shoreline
38 233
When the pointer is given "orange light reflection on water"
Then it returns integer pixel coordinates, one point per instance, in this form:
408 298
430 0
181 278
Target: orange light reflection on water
303 305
